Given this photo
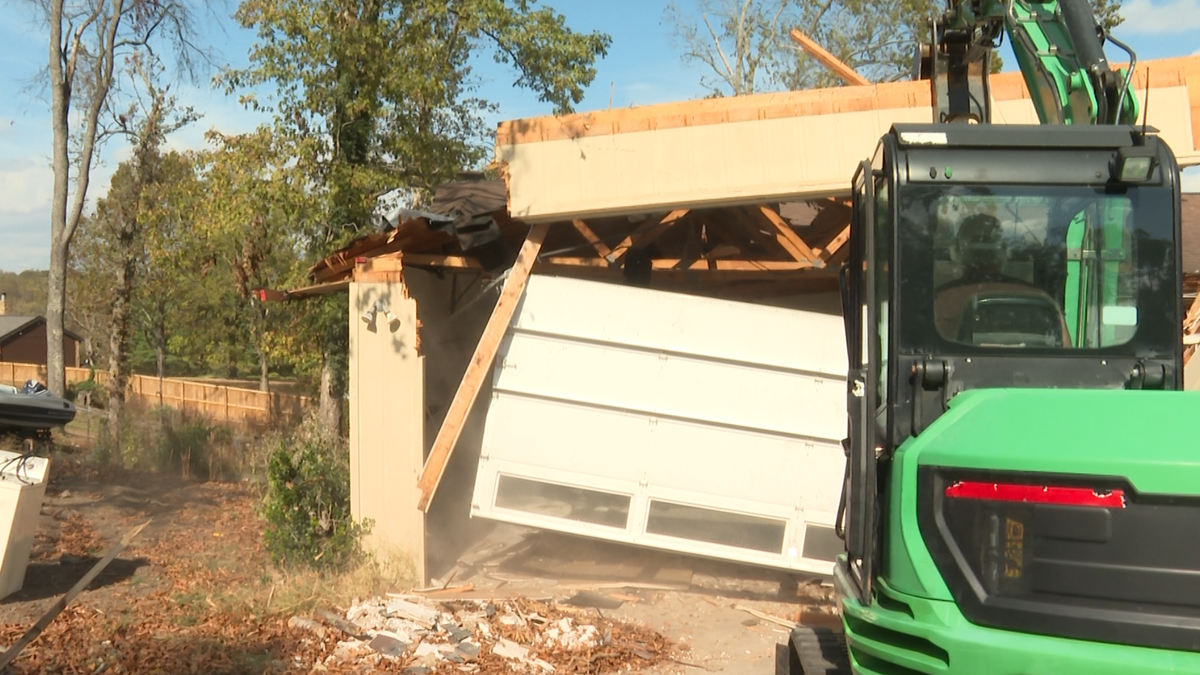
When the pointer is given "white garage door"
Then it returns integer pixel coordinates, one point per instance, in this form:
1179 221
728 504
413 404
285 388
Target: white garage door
678 422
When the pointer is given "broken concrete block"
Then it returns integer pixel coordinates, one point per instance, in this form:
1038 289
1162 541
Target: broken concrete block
388 644
426 649
509 649
412 611
467 649
455 633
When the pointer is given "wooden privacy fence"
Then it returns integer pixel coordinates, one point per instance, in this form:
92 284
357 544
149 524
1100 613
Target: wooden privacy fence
216 402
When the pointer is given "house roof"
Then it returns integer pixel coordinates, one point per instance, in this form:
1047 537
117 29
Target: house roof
470 198
11 324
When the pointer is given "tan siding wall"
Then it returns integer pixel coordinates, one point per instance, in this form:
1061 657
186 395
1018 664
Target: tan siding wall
386 410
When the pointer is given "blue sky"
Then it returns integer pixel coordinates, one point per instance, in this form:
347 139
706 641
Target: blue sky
642 67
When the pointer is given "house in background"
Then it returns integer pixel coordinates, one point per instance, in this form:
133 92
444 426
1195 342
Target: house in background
23 339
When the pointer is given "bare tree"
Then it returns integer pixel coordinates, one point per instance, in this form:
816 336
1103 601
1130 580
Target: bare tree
87 40
739 40
746 48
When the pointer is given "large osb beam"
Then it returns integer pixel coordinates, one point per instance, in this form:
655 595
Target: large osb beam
762 148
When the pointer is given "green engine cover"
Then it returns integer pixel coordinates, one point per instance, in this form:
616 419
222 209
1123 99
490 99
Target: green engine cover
1146 437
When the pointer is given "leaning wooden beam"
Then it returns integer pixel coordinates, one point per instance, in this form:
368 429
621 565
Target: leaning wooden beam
645 234
848 74
588 234
479 367
787 238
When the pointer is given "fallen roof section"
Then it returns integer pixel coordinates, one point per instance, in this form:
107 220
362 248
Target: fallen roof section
769 147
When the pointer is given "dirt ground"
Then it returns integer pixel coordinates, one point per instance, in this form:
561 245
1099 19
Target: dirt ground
195 592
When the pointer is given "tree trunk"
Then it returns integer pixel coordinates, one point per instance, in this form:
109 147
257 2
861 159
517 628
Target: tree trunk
118 364
56 375
264 366
160 341
63 222
56 290
330 401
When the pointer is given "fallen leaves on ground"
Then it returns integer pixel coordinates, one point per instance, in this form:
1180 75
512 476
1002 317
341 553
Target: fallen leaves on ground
75 537
206 543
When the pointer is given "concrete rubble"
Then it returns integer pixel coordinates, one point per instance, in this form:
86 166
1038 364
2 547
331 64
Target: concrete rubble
476 636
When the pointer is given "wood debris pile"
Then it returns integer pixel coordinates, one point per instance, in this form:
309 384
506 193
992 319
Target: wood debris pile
480 636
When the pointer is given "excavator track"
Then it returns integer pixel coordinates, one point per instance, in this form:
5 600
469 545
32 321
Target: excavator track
814 651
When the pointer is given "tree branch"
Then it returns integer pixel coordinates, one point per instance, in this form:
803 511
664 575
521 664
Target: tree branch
716 41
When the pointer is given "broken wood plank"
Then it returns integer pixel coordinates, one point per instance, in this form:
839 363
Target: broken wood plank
444 590
787 238
833 63
601 248
766 617
480 366
52 613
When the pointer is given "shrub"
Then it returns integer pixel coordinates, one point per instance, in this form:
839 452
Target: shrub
307 505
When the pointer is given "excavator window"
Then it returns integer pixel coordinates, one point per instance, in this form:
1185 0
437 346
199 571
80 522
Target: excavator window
1032 267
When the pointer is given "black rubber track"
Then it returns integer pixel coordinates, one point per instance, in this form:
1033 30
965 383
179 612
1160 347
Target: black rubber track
813 651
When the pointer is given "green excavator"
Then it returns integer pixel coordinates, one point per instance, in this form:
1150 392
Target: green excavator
1022 491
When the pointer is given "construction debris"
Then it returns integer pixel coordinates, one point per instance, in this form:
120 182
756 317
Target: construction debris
419 635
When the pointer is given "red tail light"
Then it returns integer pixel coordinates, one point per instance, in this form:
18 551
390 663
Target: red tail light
1037 494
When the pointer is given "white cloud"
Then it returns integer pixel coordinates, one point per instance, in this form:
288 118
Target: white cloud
25 186
1160 17
1190 180
26 241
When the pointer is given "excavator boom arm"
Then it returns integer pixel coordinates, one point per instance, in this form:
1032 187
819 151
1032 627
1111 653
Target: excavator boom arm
1060 51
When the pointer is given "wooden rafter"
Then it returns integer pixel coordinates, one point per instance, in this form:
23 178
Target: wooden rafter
835 244
787 237
725 271
582 228
675 264
645 234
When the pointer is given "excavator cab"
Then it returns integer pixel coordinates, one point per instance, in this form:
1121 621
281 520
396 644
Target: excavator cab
1018 473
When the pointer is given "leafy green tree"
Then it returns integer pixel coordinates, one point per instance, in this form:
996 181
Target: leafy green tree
378 94
140 197
250 217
